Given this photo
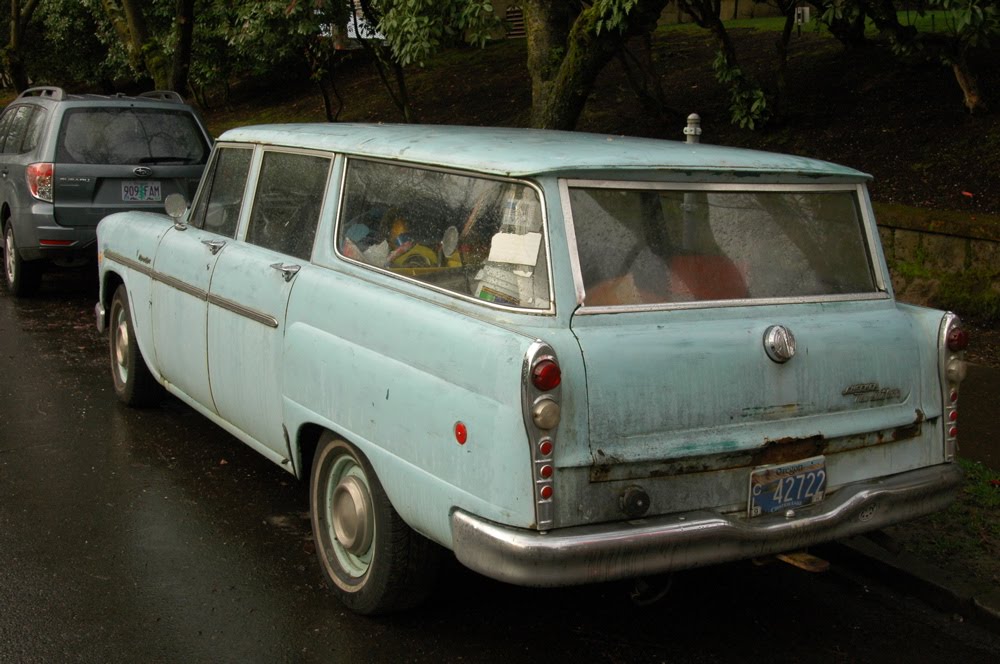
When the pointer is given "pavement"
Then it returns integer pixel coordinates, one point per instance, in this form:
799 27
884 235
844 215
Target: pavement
878 554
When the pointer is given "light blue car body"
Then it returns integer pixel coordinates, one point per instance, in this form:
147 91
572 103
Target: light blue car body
679 403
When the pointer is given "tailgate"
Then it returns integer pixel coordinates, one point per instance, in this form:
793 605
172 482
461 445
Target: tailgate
693 383
83 194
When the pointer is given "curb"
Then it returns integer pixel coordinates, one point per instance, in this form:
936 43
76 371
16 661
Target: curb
878 555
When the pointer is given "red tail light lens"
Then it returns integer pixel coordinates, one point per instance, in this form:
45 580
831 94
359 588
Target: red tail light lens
958 339
546 375
39 178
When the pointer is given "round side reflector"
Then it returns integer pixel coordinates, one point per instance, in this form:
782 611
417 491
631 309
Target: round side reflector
546 492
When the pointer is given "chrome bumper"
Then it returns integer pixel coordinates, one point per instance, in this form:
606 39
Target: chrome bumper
603 552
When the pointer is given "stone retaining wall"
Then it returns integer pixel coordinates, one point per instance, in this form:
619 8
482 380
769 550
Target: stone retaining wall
949 260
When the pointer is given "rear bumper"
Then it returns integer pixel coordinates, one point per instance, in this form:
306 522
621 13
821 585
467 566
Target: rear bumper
604 552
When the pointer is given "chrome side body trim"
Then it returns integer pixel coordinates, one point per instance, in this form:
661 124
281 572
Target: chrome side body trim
184 287
128 262
246 312
177 284
625 549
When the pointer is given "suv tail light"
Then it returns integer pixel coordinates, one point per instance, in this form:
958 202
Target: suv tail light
40 180
952 342
540 379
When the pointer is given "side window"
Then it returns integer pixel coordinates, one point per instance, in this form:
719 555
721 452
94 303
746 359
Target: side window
17 130
36 126
5 119
474 236
218 207
287 203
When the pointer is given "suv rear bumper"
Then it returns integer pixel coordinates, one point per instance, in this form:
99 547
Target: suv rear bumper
603 552
54 242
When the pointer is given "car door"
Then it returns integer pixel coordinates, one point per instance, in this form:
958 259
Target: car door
249 294
183 267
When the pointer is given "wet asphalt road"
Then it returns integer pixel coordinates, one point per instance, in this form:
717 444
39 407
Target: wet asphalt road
153 536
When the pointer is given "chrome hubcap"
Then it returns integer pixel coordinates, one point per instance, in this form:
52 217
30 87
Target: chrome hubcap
121 345
9 255
352 516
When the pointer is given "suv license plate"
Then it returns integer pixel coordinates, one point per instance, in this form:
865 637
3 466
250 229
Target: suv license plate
787 485
140 191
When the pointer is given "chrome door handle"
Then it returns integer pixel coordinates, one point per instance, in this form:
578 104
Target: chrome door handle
287 270
215 246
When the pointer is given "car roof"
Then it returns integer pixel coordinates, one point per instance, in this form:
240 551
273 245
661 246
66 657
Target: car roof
524 152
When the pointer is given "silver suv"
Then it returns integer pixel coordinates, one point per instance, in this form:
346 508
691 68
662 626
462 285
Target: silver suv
67 161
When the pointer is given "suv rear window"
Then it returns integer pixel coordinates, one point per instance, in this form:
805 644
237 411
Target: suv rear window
641 246
130 136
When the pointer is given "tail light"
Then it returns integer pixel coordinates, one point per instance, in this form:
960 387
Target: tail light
40 180
541 377
952 342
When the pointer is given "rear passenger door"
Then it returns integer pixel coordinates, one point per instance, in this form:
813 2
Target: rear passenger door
250 290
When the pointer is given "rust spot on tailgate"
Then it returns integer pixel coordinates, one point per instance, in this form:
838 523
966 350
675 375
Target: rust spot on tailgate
784 450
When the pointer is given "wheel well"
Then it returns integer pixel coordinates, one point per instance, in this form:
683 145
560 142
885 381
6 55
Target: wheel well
306 442
4 215
112 280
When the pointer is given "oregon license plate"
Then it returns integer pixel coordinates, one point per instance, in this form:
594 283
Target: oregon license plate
141 191
787 485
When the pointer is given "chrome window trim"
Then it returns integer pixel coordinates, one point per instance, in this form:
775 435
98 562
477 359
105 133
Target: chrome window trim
348 158
863 209
253 184
715 304
209 167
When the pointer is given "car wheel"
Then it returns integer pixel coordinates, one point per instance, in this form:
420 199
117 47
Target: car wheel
371 559
134 384
22 277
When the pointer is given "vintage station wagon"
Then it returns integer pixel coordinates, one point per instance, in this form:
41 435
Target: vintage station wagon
565 357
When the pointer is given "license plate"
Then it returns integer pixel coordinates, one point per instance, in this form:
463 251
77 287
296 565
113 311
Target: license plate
787 485
141 191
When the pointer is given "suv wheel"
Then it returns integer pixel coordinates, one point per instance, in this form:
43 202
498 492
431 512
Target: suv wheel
22 277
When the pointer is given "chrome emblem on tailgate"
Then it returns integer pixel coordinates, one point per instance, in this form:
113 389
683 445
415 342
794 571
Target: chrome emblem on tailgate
142 171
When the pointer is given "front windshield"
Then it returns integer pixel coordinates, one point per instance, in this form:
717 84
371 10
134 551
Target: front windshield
641 247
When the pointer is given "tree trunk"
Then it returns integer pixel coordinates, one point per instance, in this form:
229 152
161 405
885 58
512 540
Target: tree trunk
20 16
781 74
566 53
707 14
382 59
184 25
970 85
130 25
